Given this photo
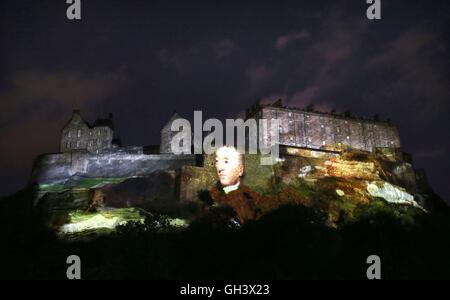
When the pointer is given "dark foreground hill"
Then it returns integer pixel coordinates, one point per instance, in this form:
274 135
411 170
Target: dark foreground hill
291 242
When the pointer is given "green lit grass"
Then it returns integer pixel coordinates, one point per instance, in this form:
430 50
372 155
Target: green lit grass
52 187
121 213
92 182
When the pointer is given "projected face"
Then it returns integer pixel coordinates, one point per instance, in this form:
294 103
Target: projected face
229 166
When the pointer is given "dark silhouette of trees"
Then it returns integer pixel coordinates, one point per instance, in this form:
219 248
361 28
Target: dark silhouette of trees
291 242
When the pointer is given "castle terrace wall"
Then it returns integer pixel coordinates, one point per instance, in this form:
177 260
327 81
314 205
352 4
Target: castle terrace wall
56 168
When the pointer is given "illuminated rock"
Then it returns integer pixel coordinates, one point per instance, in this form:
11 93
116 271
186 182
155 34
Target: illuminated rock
340 192
390 193
304 171
95 222
107 218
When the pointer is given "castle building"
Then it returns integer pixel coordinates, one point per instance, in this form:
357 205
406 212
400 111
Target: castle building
78 135
324 131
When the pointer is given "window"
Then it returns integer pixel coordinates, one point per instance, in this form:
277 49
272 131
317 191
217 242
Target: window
79 132
68 144
69 134
78 144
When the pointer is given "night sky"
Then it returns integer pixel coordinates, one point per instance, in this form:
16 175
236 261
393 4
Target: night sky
143 60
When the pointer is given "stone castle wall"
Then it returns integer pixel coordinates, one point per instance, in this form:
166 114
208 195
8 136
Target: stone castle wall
57 168
328 132
95 140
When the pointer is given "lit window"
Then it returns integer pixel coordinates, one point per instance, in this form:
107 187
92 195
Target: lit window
348 137
323 143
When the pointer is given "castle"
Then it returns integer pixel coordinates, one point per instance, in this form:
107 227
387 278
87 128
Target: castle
79 135
325 131
298 128
91 152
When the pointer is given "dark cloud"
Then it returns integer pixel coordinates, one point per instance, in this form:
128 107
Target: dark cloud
224 48
416 57
258 75
430 154
282 41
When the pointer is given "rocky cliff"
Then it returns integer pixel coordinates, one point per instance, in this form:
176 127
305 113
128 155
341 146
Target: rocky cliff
340 184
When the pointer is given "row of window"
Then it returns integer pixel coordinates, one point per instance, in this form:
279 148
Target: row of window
77 143
78 132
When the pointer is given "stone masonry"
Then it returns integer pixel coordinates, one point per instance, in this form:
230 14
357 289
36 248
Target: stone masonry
322 131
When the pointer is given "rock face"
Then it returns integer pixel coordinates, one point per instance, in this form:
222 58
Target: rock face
338 183
54 207
390 193
158 192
